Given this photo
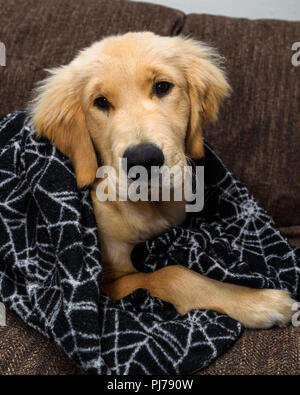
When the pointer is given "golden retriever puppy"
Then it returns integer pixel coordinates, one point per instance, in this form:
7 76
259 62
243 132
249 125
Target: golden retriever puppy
146 98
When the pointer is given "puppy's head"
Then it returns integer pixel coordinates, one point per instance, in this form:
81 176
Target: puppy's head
138 95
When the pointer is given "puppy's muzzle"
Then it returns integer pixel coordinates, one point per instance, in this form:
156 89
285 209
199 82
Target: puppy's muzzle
145 155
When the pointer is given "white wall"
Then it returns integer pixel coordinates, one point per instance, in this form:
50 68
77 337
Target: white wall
253 9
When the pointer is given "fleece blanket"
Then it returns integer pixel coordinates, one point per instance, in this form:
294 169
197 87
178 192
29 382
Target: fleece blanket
50 263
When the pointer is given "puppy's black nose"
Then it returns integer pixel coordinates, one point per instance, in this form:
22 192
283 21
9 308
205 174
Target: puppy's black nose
145 155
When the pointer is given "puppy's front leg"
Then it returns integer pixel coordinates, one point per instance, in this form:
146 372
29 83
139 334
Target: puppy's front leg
188 290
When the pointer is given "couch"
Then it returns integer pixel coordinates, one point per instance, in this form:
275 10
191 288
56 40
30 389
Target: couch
257 135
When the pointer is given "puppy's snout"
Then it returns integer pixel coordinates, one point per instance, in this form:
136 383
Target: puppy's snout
146 155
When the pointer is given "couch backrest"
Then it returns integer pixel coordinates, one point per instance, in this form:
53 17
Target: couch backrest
41 34
258 133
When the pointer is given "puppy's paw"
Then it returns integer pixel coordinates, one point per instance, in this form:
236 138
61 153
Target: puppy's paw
266 308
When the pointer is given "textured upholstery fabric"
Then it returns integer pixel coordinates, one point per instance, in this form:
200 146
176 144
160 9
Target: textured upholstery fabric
41 34
292 233
270 352
24 351
258 135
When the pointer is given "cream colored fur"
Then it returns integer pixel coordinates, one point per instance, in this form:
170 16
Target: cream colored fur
124 69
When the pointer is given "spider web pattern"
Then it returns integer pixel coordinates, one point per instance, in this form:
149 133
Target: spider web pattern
50 263
232 239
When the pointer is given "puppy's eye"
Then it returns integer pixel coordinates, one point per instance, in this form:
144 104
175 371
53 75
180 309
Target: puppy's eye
162 88
102 103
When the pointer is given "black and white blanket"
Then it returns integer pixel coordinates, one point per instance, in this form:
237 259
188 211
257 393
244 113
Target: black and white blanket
50 263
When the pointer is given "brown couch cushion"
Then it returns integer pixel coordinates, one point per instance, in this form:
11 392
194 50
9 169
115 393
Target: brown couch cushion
41 34
24 351
275 351
264 352
292 233
258 134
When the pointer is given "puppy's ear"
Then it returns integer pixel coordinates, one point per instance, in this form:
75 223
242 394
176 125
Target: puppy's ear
207 88
56 113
